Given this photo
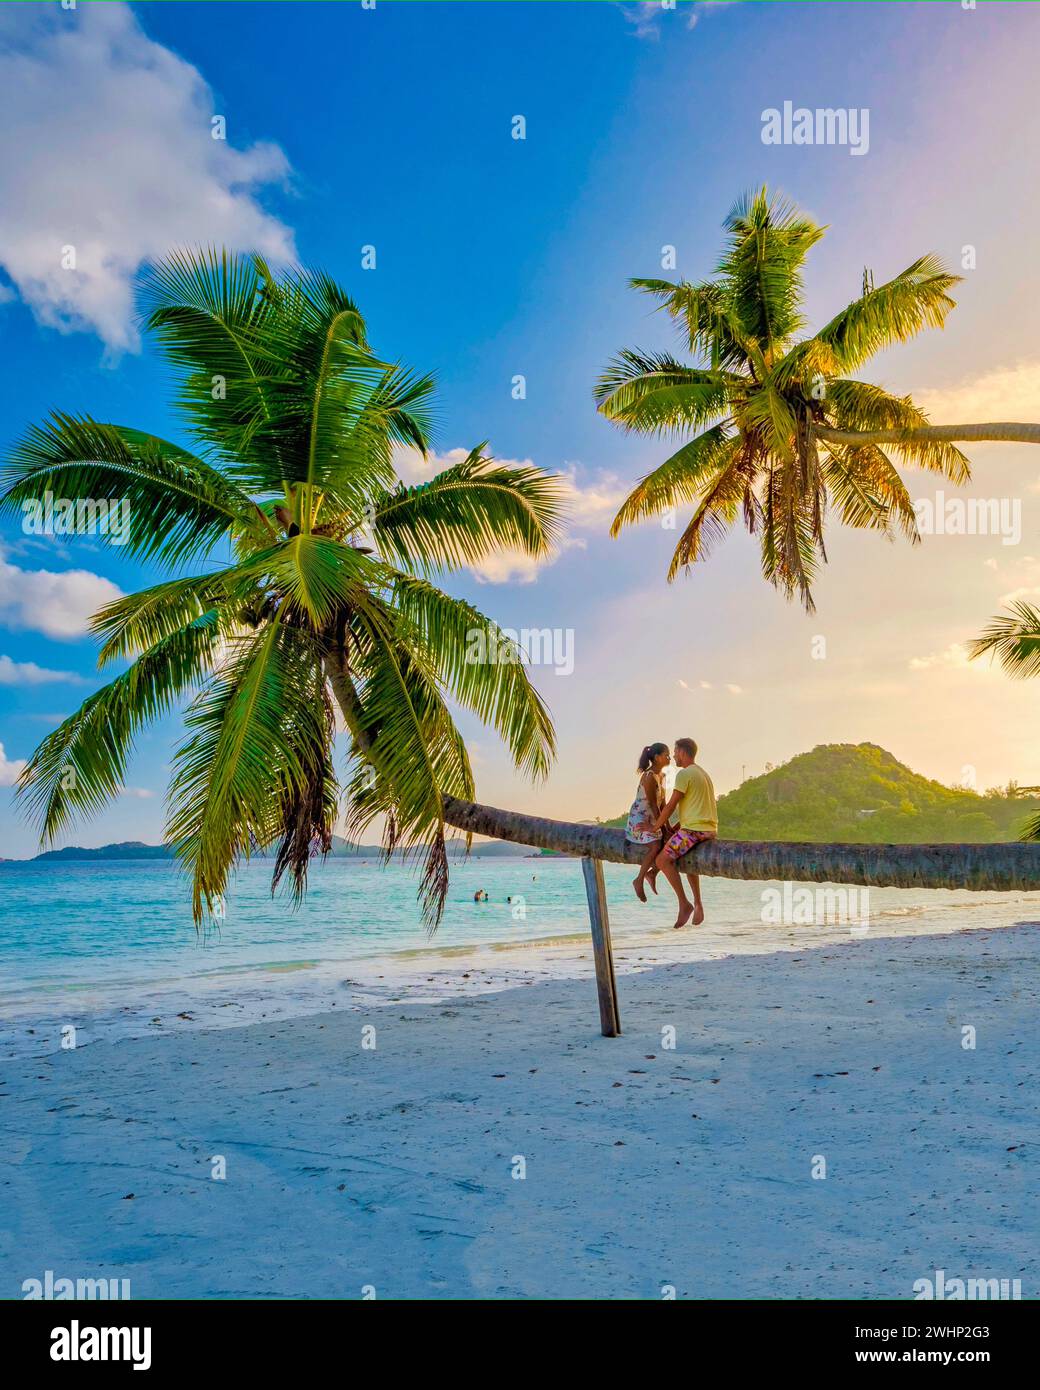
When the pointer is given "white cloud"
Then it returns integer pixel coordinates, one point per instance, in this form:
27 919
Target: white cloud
137 793
593 504
1025 576
1005 393
108 148
413 469
954 656
707 685
645 15
1028 595
514 566
28 673
9 769
57 605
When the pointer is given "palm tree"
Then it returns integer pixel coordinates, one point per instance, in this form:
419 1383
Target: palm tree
294 419
780 427
998 867
1014 639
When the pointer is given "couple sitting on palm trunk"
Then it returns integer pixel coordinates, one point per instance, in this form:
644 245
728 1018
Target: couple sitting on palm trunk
649 824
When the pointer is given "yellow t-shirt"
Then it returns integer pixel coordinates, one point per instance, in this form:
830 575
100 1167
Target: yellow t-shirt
697 809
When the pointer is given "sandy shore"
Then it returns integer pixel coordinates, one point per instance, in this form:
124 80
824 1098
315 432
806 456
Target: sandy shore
645 1165
108 1004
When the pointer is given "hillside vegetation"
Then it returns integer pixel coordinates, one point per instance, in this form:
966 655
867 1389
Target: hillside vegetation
858 792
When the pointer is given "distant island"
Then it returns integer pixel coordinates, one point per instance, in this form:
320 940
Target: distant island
126 849
341 849
859 793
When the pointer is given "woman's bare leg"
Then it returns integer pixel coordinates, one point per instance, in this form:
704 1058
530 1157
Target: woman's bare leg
666 835
644 869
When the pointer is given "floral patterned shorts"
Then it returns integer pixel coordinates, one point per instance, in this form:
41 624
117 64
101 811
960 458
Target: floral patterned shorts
683 840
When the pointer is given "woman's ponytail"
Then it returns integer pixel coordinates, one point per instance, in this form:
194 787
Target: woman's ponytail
649 753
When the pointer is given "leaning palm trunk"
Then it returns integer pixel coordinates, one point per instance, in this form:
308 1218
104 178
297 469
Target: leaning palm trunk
1004 431
998 867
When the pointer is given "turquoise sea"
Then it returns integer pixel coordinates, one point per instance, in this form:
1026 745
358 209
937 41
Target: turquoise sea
126 926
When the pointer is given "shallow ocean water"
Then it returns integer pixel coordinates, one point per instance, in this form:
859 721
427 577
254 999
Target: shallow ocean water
77 926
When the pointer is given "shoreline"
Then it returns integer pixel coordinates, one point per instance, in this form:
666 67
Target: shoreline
239 994
649 1161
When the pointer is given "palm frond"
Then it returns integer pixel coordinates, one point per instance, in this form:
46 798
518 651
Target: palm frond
681 478
1013 638
761 267
482 668
791 540
770 416
718 508
895 312
135 622
217 316
314 576
404 729
869 492
467 512
80 767
710 325
256 737
176 506
652 393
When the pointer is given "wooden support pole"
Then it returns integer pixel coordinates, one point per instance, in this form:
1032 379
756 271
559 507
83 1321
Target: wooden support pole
606 985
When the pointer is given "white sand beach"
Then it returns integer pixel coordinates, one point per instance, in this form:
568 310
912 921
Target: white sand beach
646 1167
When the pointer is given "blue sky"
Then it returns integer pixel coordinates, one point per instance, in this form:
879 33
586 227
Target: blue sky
498 257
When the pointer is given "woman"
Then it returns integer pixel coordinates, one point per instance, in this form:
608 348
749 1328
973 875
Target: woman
645 809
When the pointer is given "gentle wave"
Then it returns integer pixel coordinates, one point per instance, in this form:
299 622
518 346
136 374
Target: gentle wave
119 935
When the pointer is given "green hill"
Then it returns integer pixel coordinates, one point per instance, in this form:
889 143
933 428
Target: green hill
126 849
857 792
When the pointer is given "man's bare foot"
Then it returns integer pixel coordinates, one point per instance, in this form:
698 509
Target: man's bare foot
637 884
651 878
685 913
698 916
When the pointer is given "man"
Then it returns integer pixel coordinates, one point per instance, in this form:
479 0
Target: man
694 796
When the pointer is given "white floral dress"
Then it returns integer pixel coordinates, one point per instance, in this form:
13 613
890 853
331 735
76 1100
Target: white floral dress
641 814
